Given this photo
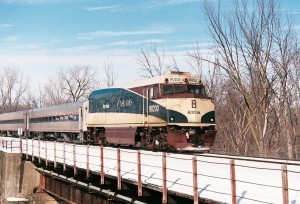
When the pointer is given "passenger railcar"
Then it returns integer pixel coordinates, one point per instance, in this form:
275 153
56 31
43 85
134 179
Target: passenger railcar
59 121
12 124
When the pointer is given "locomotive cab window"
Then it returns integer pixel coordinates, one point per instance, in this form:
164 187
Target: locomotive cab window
197 89
173 89
178 88
153 92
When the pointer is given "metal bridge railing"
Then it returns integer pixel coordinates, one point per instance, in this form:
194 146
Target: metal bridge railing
140 165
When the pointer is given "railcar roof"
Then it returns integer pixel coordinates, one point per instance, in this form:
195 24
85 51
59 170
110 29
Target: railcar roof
12 113
64 105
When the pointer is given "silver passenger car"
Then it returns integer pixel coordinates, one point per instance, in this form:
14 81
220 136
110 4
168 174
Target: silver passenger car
10 123
63 119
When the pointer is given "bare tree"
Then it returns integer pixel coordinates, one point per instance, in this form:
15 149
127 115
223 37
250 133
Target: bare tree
12 89
194 60
38 99
232 121
244 40
152 62
286 42
55 92
295 107
111 75
173 66
77 82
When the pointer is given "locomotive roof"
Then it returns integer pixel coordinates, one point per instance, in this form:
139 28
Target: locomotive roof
144 82
154 80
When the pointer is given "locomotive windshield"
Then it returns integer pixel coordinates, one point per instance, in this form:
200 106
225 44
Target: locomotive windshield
182 88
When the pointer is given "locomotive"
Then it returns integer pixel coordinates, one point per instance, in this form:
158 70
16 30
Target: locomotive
171 112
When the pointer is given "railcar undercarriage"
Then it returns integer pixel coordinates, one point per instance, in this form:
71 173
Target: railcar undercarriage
174 138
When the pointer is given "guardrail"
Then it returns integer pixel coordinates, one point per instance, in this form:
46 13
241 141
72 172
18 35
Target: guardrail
230 181
10 145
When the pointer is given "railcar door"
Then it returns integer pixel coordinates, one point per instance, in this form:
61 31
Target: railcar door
26 123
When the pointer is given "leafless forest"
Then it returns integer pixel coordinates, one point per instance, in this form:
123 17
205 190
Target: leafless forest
253 76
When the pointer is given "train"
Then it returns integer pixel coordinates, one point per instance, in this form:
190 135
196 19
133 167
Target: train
167 112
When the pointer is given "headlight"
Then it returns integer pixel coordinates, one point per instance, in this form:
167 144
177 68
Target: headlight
172 118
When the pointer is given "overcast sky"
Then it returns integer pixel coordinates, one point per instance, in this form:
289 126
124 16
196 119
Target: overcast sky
40 36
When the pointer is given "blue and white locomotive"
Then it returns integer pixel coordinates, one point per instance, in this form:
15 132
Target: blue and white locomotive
164 112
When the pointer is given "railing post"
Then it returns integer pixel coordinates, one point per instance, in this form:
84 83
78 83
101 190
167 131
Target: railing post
233 182
64 158
39 146
6 144
102 165
46 157
285 187
21 146
119 168
54 166
195 180
74 160
32 149
88 162
164 178
140 191
11 146
26 148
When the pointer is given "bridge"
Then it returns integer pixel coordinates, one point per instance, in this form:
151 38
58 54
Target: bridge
83 174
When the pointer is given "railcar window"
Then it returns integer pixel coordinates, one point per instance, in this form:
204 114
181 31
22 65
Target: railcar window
76 117
16 121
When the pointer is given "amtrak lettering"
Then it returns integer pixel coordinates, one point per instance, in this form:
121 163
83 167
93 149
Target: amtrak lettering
124 103
193 112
